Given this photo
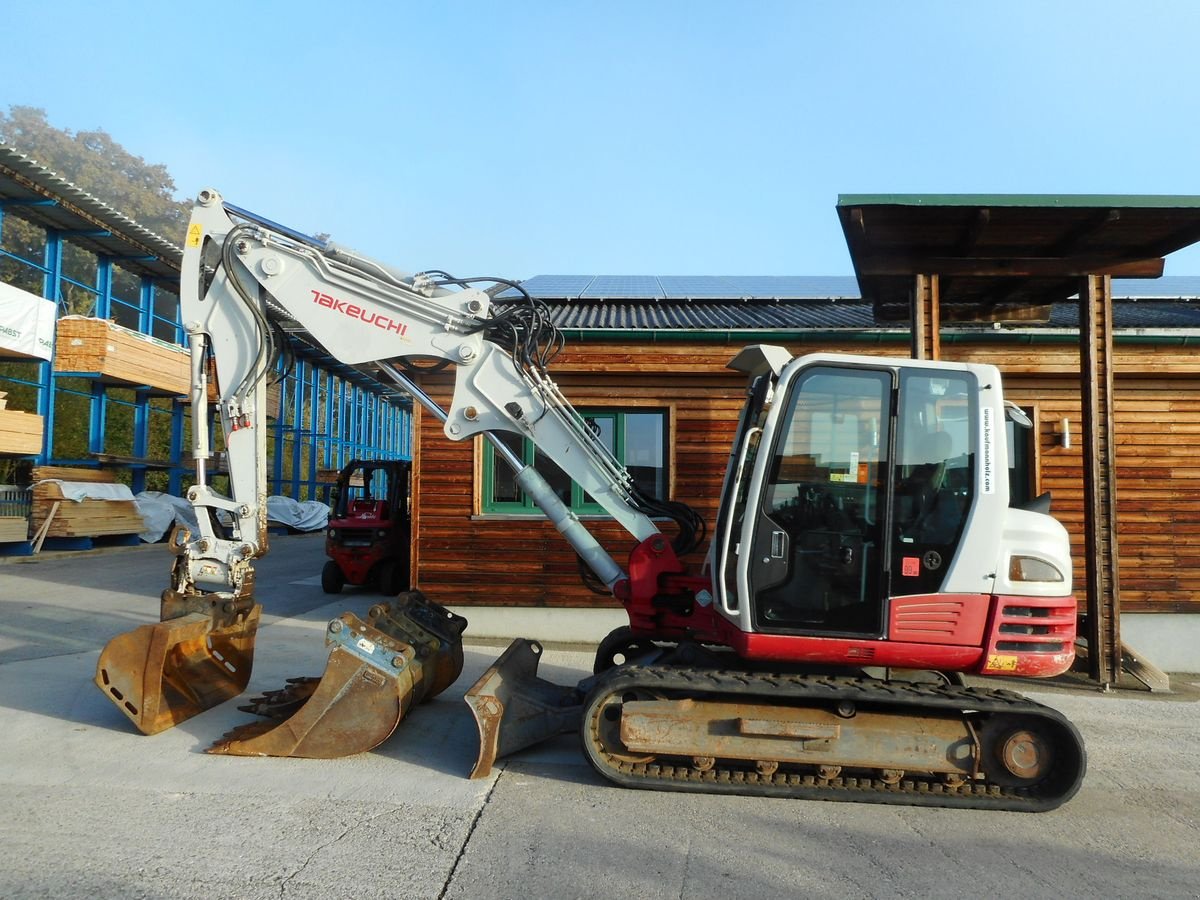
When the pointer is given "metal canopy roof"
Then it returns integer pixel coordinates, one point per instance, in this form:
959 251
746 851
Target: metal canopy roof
30 191
1007 257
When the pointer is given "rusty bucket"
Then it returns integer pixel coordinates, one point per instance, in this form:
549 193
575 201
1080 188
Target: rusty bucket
406 652
161 674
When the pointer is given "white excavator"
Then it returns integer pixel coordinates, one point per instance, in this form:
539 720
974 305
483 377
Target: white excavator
865 557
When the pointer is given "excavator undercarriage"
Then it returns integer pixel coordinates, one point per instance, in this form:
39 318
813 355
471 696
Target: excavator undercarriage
676 727
825 738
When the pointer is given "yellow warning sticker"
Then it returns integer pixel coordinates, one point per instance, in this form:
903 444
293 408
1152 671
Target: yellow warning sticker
1002 663
195 232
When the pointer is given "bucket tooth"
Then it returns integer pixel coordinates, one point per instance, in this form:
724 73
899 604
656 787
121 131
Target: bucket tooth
405 653
160 675
284 702
515 709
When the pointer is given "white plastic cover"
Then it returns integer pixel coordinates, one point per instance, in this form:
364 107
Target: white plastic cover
91 490
161 511
26 323
303 515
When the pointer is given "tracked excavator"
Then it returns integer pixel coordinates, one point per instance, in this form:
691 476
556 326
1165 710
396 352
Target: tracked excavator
865 557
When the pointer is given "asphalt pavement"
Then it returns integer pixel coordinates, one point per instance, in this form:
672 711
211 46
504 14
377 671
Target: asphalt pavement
91 808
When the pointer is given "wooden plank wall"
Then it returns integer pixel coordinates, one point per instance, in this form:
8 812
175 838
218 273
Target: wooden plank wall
461 557
1157 421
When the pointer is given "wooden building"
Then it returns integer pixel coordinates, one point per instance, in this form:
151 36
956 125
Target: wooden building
646 360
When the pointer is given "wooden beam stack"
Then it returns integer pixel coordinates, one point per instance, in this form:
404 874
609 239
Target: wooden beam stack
14 514
13 528
87 346
84 518
20 432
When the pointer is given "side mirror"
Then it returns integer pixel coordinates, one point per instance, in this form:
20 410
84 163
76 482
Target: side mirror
1017 415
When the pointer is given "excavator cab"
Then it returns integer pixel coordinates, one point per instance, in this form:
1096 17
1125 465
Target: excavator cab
866 494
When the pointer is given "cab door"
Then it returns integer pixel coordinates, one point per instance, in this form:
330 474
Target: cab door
818 551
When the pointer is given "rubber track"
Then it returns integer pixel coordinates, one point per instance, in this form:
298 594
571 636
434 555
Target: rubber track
899 697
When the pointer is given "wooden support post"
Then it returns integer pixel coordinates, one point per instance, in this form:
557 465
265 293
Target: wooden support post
40 537
926 318
1103 630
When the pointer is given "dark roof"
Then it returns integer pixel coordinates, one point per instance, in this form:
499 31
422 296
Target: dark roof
1007 256
809 303
37 194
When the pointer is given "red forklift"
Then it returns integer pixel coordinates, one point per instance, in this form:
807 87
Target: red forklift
370 527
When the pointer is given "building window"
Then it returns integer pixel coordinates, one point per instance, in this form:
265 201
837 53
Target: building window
637 438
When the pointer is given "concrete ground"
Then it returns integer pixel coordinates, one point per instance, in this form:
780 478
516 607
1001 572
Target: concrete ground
92 808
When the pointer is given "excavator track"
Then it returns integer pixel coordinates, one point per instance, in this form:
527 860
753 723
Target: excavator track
826 738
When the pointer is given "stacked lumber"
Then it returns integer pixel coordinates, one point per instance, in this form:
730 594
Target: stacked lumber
20 432
14 513
86 345
13 528
82 518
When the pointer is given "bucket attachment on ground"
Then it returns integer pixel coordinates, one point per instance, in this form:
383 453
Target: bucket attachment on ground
159 675
515 709
405 653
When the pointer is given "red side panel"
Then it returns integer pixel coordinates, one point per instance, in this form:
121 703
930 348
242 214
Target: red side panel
856 652
1032 636
939 619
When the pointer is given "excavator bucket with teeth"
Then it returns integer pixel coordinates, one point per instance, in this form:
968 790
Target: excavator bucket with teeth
161 674
405 653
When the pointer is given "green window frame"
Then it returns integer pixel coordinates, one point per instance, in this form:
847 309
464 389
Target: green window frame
637 437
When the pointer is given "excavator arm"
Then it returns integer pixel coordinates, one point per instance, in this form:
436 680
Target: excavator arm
250 286
251 289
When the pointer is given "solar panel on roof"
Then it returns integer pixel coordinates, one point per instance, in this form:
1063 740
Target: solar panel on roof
795 286
700 287
630 287
783 287
552 287
1170 286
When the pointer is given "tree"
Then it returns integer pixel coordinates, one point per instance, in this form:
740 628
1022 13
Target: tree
94 162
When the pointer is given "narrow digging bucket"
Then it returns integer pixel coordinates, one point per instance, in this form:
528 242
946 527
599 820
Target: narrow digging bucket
159 675
515 709
403 654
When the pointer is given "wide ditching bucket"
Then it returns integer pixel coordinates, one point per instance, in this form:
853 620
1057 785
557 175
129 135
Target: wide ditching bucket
161 674
406 652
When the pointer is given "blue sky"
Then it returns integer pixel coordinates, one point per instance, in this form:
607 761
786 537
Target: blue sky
703 138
